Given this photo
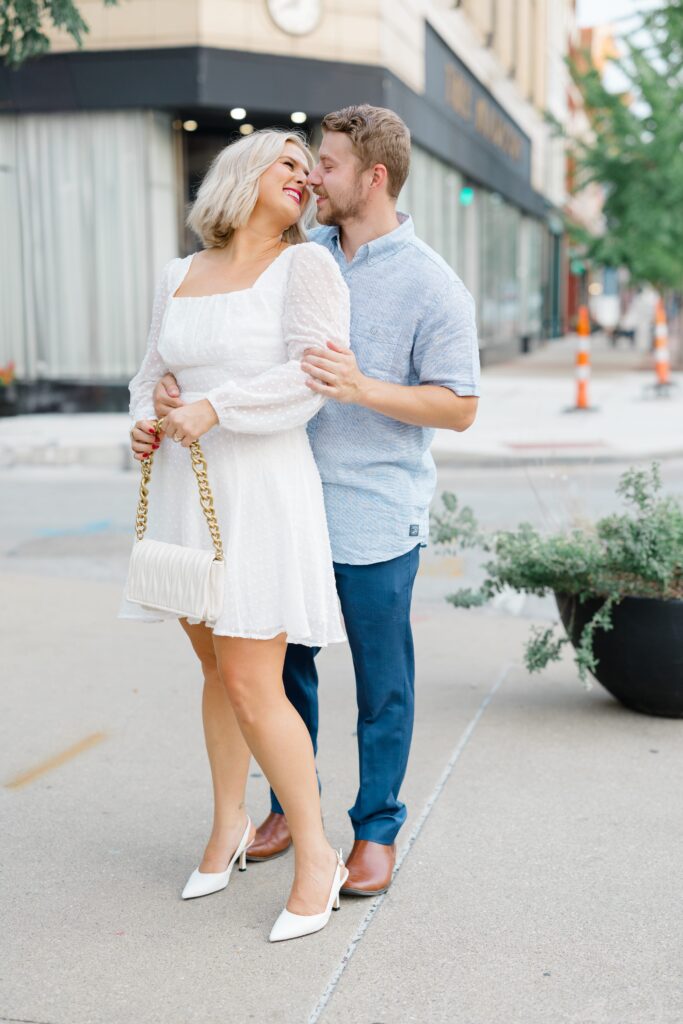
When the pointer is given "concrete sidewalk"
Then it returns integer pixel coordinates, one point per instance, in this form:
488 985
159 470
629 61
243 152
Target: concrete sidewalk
526 415
538 862
522 418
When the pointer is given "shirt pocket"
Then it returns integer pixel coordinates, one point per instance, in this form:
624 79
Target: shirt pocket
375 345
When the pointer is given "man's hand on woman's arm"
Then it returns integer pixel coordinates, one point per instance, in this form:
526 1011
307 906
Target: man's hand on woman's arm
167 395
333 372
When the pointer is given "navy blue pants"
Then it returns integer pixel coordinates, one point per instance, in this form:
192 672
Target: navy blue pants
375 601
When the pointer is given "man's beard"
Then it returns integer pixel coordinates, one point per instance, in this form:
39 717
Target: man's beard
345 208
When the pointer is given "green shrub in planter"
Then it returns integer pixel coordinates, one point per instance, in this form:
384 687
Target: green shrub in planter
637 553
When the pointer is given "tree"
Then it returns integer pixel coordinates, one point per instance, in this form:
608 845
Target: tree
635 150
22 24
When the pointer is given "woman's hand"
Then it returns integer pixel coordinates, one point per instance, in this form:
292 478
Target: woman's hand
187 424
143 439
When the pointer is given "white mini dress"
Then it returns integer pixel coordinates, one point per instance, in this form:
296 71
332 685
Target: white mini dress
241 350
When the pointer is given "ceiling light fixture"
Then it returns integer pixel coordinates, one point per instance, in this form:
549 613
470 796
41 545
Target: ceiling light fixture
246 129
298 117
238 113
190 126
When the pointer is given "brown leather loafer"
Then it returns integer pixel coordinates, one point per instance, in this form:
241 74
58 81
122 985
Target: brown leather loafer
370 868
273 838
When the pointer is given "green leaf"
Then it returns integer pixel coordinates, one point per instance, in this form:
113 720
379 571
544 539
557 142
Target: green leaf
23 22
635 150
637 552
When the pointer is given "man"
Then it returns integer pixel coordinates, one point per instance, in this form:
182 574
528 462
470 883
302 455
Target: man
413 366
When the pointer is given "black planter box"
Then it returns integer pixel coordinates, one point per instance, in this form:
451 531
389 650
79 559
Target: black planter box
641 657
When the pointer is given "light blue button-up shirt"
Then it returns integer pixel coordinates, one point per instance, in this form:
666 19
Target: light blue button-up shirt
412 322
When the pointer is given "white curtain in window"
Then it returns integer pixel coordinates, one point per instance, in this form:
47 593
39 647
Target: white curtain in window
88 215
12 326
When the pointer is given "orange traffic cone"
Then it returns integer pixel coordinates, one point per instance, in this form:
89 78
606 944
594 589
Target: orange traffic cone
583 358
661 347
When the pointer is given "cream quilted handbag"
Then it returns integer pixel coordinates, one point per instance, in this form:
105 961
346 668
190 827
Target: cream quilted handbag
170 577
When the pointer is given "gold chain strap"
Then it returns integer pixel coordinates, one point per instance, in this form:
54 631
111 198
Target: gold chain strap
205 497
143 503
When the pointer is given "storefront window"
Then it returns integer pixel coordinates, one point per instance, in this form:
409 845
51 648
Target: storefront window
431 197
492 246
499 285
532 240
88 208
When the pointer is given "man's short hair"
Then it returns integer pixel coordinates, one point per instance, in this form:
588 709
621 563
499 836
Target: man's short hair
379 136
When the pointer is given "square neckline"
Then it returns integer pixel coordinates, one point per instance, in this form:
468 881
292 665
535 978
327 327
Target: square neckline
234 291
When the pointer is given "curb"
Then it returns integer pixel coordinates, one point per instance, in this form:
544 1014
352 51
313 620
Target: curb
118 457
504 461
114 456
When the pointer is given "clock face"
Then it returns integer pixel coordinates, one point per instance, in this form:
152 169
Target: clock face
295 16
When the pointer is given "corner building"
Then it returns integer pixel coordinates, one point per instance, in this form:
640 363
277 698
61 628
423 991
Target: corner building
102 149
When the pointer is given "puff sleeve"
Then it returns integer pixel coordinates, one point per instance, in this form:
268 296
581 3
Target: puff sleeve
141 387
316 310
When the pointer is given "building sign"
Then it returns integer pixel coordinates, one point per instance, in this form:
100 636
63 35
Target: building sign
472 108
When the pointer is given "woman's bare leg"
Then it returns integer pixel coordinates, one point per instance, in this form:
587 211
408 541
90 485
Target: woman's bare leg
252 673
229 756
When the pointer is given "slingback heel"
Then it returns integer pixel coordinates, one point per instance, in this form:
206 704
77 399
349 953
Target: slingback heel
294 926
202 883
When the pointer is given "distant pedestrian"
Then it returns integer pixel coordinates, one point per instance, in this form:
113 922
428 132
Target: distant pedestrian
413 366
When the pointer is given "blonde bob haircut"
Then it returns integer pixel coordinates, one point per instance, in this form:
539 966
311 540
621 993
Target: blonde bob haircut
227 195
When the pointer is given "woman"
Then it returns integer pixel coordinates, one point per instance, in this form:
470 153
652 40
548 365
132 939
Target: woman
232 322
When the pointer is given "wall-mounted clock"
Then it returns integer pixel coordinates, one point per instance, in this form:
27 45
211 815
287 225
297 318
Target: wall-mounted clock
297 17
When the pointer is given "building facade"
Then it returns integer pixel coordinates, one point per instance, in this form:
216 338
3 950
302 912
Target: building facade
101 151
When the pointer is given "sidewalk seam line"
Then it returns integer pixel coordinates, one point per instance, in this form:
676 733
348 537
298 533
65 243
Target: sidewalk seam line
24 1020
330 989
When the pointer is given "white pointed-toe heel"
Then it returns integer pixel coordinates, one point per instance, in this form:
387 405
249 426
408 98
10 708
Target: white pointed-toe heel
293 926
201 883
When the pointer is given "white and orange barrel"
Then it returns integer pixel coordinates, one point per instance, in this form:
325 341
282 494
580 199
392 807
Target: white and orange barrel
662 360
583 358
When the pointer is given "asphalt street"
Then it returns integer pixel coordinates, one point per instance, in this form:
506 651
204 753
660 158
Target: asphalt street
537 866
78 521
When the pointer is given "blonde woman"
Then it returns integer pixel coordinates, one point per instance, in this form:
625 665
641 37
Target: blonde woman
231 322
